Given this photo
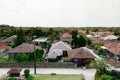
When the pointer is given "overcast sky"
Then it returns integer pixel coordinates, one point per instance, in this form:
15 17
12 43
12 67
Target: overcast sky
60 13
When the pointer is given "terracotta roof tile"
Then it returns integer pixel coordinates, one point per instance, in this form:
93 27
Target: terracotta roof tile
80 53
24 48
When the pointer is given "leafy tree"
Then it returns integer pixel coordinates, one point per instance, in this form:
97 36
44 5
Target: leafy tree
89 42
21 57
97 45
74 33
74 41
101 66
20 38
39 54
87 31
82 41
50 31
26 73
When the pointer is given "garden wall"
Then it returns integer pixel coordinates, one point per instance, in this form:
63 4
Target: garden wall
39 65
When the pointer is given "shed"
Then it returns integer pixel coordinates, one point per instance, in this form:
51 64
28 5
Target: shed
14 72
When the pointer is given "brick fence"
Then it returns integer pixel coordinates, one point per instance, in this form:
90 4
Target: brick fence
38 64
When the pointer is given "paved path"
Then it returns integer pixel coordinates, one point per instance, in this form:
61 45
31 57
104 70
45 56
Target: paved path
88 73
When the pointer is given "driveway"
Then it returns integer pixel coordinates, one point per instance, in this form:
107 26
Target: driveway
88 73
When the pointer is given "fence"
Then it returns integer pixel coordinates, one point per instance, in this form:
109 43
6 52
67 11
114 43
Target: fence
38 65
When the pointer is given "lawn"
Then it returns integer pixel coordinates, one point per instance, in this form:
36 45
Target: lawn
6 60
58 77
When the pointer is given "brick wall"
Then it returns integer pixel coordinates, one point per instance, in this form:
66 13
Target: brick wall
39 65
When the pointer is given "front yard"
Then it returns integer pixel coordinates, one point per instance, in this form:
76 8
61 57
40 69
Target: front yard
6 60
58 77
54 77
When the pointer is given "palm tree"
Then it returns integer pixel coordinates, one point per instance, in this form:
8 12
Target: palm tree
101 66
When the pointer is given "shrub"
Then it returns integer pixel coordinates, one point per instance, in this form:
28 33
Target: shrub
12 79
31 78
26 73
106 77
82 77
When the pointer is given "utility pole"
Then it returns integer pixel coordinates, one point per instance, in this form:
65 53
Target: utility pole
34 56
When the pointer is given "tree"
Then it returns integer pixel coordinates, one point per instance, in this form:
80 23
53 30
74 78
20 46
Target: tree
20 38
101 66
89 42
87 31
74 41
26 73
21 57
82 41
39 54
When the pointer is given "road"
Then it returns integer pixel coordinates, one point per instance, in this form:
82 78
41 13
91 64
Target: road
88 73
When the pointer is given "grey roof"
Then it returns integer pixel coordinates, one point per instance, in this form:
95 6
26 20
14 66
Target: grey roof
24 48
60 45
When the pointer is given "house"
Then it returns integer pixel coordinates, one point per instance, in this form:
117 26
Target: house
23 48
102 33
80 55
110 37
41 39
14 73
58 49
3 48
9 39
66 37
113 49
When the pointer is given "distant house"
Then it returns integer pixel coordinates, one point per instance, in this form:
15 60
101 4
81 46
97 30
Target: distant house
9 39
23 48
58 49
102 33
41 39
3 48
110 37
66 37
80 55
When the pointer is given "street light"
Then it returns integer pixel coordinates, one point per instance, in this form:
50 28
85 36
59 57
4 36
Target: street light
34 55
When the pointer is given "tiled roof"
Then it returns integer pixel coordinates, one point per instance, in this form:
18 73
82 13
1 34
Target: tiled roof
24 48
9 39
3 46
80 53
13 71
113 47
65 35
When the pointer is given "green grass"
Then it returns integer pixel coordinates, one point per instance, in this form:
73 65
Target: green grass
31 78
6 60
58 77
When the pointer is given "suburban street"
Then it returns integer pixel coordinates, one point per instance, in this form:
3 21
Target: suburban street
88 73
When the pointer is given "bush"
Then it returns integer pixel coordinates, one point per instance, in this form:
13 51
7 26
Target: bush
82 78
12 79
26 73
106 77
31 78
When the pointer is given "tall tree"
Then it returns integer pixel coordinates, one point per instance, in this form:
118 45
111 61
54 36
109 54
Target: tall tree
82 41
74 42
20 38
